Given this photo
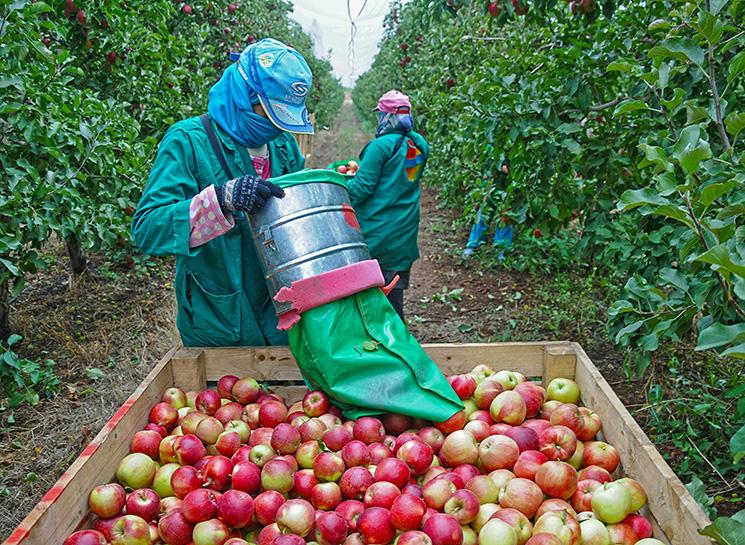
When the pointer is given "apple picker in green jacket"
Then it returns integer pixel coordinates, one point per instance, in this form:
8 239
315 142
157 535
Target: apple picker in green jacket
194 203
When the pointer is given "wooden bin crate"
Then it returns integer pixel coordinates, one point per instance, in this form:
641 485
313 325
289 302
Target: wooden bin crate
64 508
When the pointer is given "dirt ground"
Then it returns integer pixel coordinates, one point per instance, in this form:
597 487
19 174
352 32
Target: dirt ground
107 329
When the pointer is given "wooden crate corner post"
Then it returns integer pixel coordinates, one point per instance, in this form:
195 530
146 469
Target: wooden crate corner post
189 369
559 360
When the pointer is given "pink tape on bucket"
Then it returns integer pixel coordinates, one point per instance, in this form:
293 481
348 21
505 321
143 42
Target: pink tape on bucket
327 287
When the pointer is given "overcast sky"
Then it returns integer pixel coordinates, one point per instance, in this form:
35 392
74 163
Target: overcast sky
327 22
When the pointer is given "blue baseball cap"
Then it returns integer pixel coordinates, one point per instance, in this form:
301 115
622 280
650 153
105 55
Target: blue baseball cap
282 79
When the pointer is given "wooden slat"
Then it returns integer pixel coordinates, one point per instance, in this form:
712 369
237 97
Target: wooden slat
189 370
676 511
261 363
65 505
559 360
526 358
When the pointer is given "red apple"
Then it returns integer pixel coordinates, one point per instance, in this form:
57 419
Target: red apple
225 386
434 472
467 472
331 529
355 453
525 438
266 506
407 512
394 471
315 403
207 402
437 492
622 534
189 449
272 413
600 454
433 437
582 496
499 428
312 430
86 537
554 504
548 408
557 479
229 411
536 424
130 530
190 422
569 415
533 395
325 496
277 475
374 526
200 505
481 416
296 516
175 529
351 511
285 439
557 442
246 476
159 429
217 473
464 506
303 483
355 481
595 473
288 539
418 455
451 476
443 530
463 385
143 503
228 443
498 452
268 534
328 466
396 424
485 393
591 425
251 415
235 508
381 494
641 526
369 430
210 532
508 408
561 524
245 391
528 463
330 420
107 500
523 495
405 437
170 504
184 480
163 414
454 423
478 428
146 442
336 437
413 537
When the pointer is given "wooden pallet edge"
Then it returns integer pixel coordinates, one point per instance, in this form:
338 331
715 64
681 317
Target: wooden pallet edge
677 513
55 496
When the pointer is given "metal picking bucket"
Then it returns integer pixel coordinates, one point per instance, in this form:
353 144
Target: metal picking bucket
310 231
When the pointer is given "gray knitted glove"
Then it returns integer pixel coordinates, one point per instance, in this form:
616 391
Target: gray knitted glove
246 194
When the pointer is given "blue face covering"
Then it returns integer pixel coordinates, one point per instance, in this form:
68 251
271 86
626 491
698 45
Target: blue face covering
396 123
231 103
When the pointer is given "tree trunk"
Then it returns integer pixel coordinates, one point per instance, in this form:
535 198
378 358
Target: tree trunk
4 311
77 258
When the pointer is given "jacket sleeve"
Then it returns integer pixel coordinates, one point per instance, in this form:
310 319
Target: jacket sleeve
161 224
368 175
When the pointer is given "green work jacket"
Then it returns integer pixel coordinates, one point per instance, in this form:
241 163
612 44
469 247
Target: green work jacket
220 290
387 201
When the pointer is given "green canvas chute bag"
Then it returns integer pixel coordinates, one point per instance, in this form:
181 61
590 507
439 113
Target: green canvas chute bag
328 293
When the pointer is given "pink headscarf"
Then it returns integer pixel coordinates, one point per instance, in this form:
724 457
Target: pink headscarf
392 103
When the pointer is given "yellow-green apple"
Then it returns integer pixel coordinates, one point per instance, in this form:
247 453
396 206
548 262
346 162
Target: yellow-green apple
277 475
306 454
210 532
561 524
508 408
107 500
130 530
564 390
638 495
497 532
209 429
481 372
484 488
576 459
485 513
136 470
519 522
611 502
594 532
436 492
296 517
508 379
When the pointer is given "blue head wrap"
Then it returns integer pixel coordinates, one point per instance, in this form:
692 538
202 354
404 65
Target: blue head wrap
231 103
394 123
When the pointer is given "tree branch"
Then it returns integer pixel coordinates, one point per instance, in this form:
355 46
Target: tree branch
715 93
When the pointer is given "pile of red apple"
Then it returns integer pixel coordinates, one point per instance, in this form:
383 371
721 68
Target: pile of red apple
236 465
350 169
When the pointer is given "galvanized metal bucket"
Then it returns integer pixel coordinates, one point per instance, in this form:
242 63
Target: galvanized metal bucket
312 230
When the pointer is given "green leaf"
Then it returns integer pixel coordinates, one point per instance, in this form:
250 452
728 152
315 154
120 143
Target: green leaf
725 531
691 158
682 49
13 339
15 271
698 490
85 131
673 277
710 27
664 74
721 257
630 105
571 145
620 66
8 81
633 198
736 66
715 6
94 373
712 192
736 352
718 334
735 122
